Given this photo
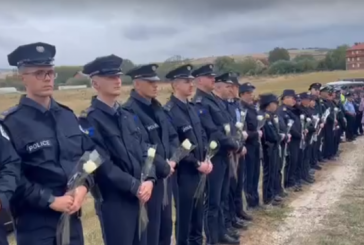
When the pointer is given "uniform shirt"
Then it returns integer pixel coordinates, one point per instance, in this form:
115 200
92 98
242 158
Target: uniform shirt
349 107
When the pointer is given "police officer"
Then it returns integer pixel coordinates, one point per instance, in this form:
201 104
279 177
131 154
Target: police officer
309 130
287 112
49 140
252 158
117 135
237 192
187 124
271 141
213 117
328 135
318 110
158 130
223 91
9 176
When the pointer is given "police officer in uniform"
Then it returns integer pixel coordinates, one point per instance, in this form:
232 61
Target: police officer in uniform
318 110
158 130
9 177
328 135
309 130
237 108
50 141
270 141
117 134
213 117
187 124
252 158
287 112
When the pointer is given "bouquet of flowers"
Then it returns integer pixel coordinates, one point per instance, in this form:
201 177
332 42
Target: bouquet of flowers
211 151
87 164
182 151
318 129
146 171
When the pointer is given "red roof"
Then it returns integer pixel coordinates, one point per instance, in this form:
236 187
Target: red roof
357 46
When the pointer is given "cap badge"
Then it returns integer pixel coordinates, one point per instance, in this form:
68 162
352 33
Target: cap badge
189 68
40 49
154 68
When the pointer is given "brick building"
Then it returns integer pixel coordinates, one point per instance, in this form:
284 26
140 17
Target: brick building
355 57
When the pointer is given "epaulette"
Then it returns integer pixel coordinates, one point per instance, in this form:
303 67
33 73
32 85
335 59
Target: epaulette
8 112
64 106
85 112
168 106
198 99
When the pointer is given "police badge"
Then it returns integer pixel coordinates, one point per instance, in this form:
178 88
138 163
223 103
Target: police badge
40 49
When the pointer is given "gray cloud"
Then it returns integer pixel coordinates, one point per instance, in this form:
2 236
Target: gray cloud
153 30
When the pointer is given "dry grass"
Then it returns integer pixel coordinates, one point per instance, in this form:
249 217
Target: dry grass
79 100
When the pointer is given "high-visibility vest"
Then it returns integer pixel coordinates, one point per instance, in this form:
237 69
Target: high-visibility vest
342 98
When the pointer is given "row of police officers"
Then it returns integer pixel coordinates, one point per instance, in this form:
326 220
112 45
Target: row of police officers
42 141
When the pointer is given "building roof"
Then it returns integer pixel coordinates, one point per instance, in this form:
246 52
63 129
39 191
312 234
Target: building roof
357 46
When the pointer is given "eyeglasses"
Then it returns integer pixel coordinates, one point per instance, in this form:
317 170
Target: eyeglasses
41 75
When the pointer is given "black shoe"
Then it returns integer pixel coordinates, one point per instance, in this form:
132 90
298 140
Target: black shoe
297 188
309 180
233 233
276 203
283 194
317 167
226 239
239 225
278 199
243 215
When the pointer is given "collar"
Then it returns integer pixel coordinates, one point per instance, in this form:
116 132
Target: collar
96 103
32 103
134 94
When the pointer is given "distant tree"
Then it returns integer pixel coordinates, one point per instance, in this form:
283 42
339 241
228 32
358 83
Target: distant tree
278 54
126 66
225 64
66 72
248 66
306 65
336 59
170 64
282 67
304 57
79 81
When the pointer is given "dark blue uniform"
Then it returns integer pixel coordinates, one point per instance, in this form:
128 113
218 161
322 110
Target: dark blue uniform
158 130
50 143
213 116
49 157
9 176
287 113
252 158
187 124
118 137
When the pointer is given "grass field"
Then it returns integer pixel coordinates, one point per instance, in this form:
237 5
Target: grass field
79 100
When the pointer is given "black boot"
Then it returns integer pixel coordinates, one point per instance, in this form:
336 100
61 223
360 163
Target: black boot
243 215
226 239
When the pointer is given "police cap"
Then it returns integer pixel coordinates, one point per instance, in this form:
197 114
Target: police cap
225 78
104 66
182 72
145 72
205 70
266 99
288 92
316 86
305 96
246 88
328 89
34 54
235 78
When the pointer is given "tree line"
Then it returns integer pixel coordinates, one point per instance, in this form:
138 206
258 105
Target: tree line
279 62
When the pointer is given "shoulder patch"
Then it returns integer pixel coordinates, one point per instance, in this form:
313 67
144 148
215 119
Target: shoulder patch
197 99
168 106
85 112
8 112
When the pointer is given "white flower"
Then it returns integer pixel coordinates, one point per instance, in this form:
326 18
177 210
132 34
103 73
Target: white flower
151 152
275 120
213 145
186 144
308 119
227 128
260 118
242 113
336 109
239 125
89 167
302 117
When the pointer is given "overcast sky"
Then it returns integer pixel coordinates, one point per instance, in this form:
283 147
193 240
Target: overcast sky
154 30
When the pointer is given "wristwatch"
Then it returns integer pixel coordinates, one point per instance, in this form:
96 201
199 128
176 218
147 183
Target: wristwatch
50 200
